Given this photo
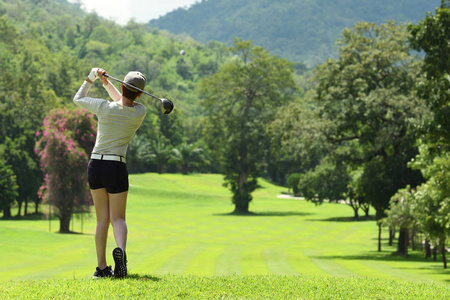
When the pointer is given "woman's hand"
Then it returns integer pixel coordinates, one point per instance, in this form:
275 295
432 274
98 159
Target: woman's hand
100 73
95 74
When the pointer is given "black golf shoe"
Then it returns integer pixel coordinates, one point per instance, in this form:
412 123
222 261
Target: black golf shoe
106 272
120 258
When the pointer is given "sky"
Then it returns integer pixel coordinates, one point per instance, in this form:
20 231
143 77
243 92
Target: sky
141 11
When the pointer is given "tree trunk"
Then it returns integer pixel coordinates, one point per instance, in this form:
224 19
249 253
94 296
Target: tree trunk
402 247
435 253
365 209
413 236
241 199
355 211
19 205
391 235
25 211
184 169
64 223
379 237
241 209
443 252
427 249
7 213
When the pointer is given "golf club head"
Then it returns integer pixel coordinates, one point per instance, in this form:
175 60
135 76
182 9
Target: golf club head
166 106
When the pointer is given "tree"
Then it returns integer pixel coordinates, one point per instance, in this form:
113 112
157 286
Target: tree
137 154
298 139
25 166
158 153
328 181
431 35
432 201
25 99
368 95
400 214
65 143
239 101
186 156
8 187
292 182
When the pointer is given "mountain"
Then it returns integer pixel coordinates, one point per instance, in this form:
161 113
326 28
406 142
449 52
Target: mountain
303 31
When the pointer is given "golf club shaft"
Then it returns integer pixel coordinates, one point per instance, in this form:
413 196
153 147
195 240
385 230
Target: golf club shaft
132 86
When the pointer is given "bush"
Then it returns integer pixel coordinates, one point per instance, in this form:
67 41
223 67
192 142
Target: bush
293 181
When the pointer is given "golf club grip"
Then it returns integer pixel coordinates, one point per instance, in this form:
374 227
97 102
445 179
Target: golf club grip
132 86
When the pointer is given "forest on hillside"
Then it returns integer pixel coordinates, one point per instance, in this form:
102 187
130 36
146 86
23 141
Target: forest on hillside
303 31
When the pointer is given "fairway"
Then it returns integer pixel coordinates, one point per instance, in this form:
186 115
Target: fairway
182 225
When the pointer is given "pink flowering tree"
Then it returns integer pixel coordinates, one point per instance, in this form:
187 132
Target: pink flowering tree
66 140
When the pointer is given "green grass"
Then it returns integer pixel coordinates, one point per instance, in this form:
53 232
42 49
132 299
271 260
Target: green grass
224 287
181 233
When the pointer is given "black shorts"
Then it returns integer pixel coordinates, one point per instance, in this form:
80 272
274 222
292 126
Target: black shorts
112 175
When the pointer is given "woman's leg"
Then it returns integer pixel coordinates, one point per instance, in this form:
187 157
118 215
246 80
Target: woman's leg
101 203
118 203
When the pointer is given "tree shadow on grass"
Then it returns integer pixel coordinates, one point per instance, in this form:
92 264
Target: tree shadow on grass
75 232
346 219
435 267
377 256
266 214
145 277
28 217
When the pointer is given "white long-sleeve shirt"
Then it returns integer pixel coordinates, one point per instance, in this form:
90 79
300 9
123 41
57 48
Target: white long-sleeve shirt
117 124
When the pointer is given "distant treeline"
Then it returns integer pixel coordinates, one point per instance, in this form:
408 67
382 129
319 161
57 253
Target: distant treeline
303 31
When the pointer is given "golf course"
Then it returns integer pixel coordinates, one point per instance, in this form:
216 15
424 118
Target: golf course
184 242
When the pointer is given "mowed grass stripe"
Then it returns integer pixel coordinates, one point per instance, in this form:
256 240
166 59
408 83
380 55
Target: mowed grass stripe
156 258
302 264
228 263
395 273
359 268
331 267
204 264
277 262
252 261
179 262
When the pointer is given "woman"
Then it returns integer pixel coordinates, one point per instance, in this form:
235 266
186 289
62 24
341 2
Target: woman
118 121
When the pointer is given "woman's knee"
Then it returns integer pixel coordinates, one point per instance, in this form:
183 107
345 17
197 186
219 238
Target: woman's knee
117 219
103 222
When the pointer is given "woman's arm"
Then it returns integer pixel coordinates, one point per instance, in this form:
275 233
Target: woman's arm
81 99
109 87
112 91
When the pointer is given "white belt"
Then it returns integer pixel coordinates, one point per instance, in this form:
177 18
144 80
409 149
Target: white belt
108 157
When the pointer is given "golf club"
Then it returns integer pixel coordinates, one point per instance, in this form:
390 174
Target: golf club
166 104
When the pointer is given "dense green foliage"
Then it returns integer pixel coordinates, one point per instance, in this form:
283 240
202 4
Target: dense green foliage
240 100
430 202
301 31
8 186
362 103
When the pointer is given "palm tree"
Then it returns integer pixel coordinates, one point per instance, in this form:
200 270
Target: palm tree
187 155
158 153
137 159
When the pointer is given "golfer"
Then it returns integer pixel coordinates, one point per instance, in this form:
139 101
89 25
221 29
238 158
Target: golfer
107 170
